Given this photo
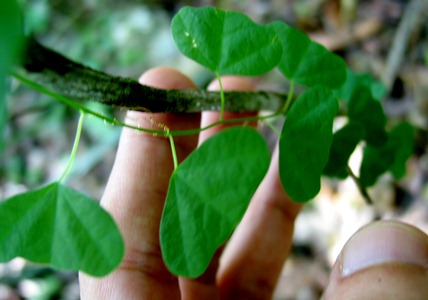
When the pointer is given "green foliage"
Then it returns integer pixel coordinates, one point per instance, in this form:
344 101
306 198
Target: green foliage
226 42
367 121
62 227
344 142
364 110
210 191
355 81
207 197
391 156
307 62
305 142
402 139
10 47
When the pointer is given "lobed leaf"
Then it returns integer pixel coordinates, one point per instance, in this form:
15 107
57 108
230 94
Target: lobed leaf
344 142
364 110
307 62
226 42
391 156
207 197
305 142
61 227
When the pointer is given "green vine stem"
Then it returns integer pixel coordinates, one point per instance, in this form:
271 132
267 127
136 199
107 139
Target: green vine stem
80 83
75 146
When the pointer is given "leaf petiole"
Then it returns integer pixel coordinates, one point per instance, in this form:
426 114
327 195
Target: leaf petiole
75 146
221 97
289 98
273 128
173 150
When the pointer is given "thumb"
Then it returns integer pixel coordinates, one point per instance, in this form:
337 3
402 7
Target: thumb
384 260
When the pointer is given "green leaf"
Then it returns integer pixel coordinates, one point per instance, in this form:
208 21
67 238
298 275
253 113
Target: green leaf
305 142
402 136
307 62
376 161
392 156
344 142
364 110
207 197
10 49
355 81
61 227
226 42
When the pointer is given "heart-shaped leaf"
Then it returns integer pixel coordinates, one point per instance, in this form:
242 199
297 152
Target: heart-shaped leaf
307 62
207 197
305 142
61 227
226 42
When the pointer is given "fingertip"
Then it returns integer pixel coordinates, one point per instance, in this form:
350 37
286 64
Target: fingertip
384 241
161 78
232 83
382 259
170 79
166 78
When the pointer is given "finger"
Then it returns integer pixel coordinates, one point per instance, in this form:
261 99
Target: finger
135 196
229 83
384 260
205 286
255 255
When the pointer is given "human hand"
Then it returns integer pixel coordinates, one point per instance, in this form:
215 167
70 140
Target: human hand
254 256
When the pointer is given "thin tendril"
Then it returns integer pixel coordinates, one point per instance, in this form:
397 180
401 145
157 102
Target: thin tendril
75 146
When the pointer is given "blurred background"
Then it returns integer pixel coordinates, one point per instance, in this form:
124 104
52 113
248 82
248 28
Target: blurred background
384 38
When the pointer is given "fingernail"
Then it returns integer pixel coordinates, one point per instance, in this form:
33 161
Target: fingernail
383 242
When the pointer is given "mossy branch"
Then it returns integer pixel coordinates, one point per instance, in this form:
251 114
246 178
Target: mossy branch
80 83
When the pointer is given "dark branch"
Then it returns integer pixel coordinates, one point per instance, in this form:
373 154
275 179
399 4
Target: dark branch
80 83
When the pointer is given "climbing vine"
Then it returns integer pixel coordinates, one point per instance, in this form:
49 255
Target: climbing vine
202 207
